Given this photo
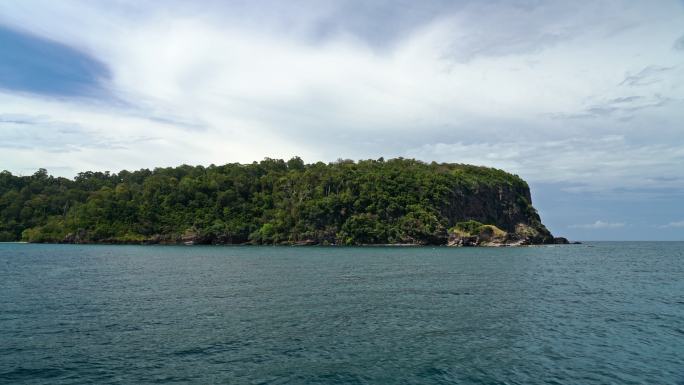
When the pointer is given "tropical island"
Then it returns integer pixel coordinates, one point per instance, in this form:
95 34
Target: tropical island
276 202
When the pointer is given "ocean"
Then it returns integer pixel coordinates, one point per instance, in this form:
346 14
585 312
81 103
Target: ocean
596 313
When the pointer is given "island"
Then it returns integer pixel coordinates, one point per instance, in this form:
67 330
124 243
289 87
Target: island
276 202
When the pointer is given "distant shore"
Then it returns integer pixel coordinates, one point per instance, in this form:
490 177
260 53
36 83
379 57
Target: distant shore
294 244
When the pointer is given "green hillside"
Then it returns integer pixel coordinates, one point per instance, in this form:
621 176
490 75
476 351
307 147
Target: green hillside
268 202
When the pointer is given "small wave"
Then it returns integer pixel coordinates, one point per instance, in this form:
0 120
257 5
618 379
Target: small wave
20 374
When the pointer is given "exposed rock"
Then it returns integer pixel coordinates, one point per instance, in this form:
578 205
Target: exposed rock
509 207
153 240
487 235
76 237
305 242
459 240
492 236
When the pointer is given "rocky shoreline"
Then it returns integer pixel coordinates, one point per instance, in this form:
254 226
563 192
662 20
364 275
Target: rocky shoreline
483 236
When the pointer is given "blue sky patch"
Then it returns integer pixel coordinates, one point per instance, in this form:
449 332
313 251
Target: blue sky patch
32 64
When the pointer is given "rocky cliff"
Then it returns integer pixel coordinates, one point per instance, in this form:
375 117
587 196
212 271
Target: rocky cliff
506 207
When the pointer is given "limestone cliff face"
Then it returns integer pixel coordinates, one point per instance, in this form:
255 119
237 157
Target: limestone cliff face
507 206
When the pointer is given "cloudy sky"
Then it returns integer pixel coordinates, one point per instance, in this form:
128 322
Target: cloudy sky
583 99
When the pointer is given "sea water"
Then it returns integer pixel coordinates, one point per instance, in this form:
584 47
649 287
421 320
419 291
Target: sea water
597 313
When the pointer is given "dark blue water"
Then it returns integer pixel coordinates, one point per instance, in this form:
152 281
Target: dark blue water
602 313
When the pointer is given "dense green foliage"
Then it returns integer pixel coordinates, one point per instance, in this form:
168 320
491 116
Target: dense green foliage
473 228
468 227
272 201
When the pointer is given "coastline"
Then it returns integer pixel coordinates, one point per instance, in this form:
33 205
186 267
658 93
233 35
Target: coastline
296 244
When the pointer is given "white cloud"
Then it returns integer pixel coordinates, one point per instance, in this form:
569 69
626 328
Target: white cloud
95 137
592 163
496 86
599 225
673 225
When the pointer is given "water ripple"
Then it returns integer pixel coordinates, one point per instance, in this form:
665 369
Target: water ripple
609 313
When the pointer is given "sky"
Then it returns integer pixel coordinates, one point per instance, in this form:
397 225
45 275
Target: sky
583 99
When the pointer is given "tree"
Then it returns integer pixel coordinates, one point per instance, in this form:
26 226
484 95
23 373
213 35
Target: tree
272 201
